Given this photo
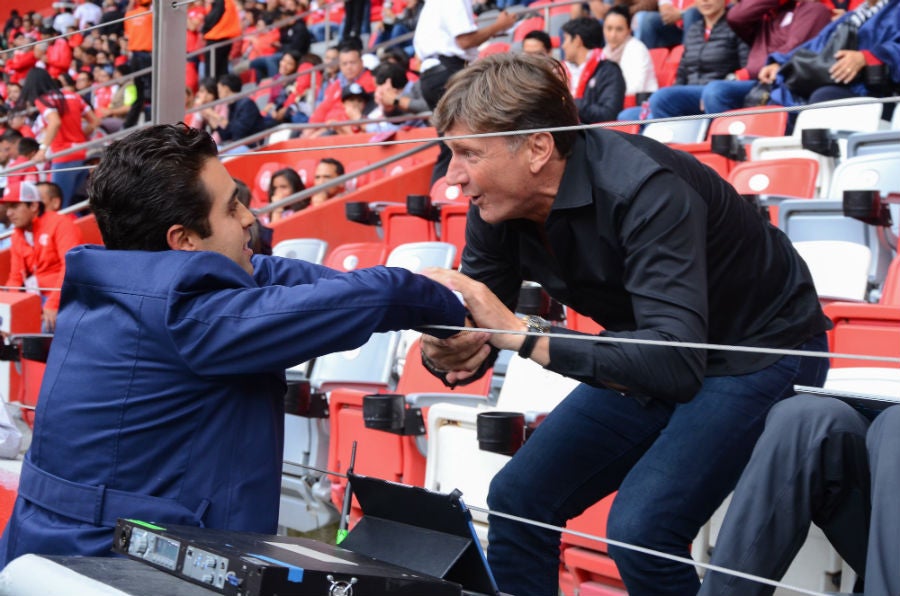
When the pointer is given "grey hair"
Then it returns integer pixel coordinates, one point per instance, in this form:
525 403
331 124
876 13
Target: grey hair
509 92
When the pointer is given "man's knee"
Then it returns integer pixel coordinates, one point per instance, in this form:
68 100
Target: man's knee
807 411
629 522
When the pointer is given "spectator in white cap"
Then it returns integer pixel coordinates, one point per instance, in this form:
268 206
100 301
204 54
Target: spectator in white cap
39 244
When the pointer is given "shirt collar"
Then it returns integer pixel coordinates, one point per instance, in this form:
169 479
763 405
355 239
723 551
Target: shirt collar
575 186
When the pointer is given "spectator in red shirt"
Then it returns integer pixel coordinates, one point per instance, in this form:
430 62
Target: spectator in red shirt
352 71
39 245
62 112
21 61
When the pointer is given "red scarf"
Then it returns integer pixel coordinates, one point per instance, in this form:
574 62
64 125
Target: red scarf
590 67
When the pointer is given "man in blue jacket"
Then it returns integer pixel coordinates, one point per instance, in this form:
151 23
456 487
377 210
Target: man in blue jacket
163 395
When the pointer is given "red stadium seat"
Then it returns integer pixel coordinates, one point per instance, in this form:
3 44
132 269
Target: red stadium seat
306 168
750 122
666 75
356 255
890 292
791 177
355 166
579 322
866 329
527 26
382 454
497 47
453 227
658 56
401 228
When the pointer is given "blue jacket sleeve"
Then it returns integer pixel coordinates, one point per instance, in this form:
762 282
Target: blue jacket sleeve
222 322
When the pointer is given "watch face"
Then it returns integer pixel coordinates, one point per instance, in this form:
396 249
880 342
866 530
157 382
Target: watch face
537 323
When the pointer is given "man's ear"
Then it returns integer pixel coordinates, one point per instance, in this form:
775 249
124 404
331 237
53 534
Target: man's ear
542 148
179 237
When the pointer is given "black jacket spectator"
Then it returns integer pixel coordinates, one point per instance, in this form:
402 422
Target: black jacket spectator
604 95
710 59
244 120
296 37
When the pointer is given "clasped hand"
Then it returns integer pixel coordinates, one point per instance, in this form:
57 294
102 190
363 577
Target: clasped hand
463 353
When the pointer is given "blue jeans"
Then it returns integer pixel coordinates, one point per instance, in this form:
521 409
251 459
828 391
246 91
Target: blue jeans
69 182
673 465
677 100
649 28
266 66
721 96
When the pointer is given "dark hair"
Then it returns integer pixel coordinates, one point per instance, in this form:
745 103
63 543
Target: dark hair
53 189
291 176
541 36
149 181
12 135
230 80
622 11
338 166
298 58
209 84
243 194
40 85
123 69
351 44
589 30
393 72
27 146
66 80
396 54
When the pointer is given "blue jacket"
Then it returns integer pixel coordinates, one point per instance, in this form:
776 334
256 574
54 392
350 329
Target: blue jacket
879 35
163 395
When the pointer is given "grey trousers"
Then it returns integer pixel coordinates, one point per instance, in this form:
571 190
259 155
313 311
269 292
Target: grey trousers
818 460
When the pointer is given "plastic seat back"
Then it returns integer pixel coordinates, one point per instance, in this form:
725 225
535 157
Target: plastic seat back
677 131
666 76
867 143
416 256
749 122
497 47
795 177
840 270
356 255
878 171
526 26
791 177
658 57
306 168
402 228
890 292
305 249
865 329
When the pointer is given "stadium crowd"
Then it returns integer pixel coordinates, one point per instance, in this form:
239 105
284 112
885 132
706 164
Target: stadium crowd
80 72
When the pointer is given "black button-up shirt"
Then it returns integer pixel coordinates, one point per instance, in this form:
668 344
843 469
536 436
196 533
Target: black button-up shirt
652 244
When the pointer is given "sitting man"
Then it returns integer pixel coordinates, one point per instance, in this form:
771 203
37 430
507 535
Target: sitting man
597 84
163 398
39 246
243 119
327 170
819 460
350 70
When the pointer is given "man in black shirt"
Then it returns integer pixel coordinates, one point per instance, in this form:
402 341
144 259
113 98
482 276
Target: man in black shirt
653 246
